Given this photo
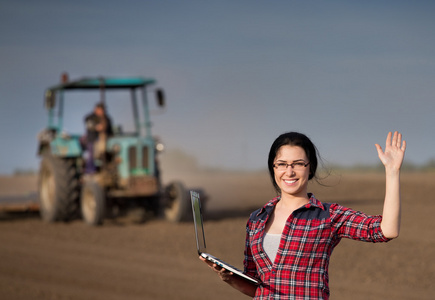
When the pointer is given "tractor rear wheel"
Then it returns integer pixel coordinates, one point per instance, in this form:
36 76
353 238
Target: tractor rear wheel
59 189
176 203
93 202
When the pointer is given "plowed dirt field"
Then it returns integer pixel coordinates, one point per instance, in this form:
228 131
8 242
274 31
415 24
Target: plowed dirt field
158 260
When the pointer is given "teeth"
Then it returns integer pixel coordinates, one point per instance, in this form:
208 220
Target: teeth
290 181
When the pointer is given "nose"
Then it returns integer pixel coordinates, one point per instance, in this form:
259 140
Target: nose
289 171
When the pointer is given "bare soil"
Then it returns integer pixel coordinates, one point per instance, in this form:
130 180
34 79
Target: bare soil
158 260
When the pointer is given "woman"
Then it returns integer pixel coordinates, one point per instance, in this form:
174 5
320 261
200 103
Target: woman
289 241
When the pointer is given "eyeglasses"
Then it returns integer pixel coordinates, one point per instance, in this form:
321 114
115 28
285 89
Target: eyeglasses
296 165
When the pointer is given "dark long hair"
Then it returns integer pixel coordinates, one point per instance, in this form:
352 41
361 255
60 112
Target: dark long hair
292 139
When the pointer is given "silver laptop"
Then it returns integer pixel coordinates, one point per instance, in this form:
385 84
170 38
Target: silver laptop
200 240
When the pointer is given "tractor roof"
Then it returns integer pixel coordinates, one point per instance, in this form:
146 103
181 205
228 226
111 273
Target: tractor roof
102 82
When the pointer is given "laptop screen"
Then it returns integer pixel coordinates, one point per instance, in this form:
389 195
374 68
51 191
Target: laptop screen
197 218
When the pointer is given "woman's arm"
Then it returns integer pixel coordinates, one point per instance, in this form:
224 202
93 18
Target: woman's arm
392 158
236 282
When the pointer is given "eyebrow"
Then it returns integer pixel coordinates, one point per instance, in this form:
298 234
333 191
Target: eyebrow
297 160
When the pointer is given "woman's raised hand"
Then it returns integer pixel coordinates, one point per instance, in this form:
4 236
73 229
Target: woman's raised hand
392 156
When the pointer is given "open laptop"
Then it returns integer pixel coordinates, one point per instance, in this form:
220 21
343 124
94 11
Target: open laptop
200 240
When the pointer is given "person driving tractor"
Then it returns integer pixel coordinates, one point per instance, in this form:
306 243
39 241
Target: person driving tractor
98 128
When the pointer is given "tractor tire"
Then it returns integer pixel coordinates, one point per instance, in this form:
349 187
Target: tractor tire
176 203
59 189
93 202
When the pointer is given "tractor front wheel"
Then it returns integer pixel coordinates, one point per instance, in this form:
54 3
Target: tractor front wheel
93 202
176 203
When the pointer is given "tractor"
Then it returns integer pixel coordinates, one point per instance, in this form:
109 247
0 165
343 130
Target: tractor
127 175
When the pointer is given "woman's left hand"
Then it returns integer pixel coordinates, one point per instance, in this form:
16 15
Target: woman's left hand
394 153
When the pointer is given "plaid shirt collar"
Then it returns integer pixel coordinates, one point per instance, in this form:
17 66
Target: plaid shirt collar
312 201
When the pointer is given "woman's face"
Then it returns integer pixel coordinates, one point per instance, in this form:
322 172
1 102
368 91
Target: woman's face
293 181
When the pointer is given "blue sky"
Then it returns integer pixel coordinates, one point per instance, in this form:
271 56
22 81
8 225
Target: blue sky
236 73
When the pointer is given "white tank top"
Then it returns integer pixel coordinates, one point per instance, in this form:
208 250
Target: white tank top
271 244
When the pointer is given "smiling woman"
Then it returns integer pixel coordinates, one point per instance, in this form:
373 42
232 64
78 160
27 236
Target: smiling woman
308 230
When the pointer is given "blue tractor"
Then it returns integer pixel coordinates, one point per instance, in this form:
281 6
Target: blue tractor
127 176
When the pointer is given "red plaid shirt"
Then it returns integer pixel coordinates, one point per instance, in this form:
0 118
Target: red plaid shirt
300 269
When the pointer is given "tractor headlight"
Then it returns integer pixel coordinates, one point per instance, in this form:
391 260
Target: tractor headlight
160 147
